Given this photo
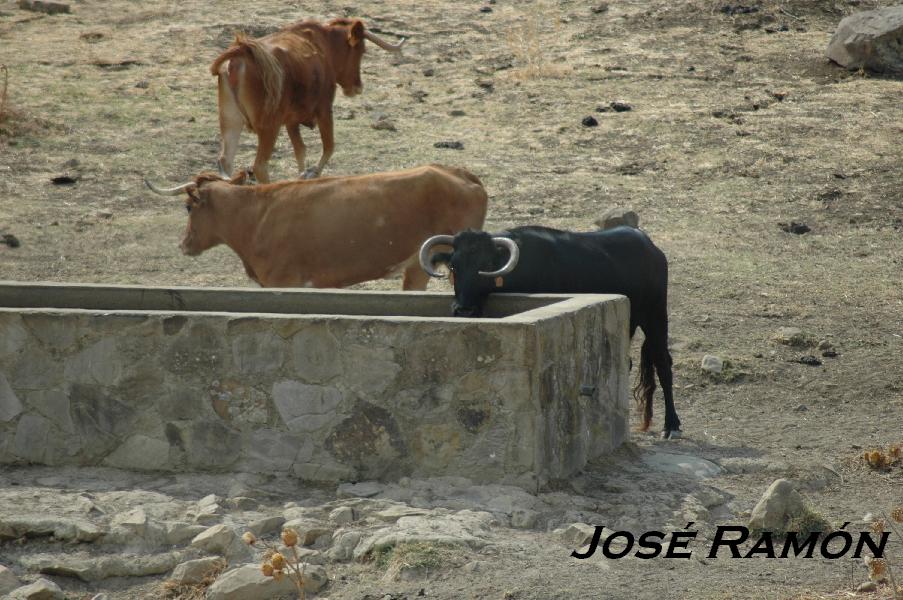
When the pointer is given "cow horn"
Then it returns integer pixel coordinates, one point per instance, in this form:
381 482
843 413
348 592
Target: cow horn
512 261
383 43
425 263
173 191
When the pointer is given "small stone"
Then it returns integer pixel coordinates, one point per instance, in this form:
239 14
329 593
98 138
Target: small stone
266 526
66 179
219 539
429 72
451 145
456 113
617 217
8 581
143 84
104 214
42 589
779 504
309 530
589 121
383 123
791 336
600 8
10 240
801 408
829 354
242 503
342 515
576 535
485 9
825 345
867 587
195 571
619 106
712 364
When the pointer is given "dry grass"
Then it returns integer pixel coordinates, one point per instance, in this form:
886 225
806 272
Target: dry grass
530 40
5 84
196 591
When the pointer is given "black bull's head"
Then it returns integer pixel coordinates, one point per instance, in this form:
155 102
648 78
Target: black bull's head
477 259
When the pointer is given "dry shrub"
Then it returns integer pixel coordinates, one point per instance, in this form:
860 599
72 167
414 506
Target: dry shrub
528 40
880 458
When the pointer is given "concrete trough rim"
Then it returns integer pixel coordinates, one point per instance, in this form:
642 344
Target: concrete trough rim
551 305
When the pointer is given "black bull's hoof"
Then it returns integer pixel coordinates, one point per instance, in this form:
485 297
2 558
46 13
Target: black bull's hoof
672 434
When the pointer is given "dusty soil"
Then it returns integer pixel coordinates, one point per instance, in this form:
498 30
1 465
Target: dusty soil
738 123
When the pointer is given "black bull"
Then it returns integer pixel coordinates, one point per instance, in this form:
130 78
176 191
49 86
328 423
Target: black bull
622 260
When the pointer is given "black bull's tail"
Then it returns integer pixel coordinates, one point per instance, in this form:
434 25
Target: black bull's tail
645 387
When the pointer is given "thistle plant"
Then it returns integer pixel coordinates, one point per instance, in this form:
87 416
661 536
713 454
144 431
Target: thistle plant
275 564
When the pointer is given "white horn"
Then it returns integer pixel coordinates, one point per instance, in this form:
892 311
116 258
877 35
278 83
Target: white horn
425 263
512 261
384 44
173 191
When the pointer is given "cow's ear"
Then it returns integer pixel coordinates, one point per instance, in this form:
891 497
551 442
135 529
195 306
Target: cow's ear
356 33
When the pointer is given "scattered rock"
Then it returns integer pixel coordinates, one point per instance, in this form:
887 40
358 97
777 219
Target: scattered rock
781 509
61 528
712 364
589 121
456 113
809 360
308 530
220 539
143 84
383 123
599 8
681 463
342 515
195 571
104 214
51 8
867 587
524 518
8 581
616 217
453 145
343 545
265 526
10 240
178 533
429 72
393 513
619 106
485 9
41 589
738 9
242 503
577 535
248 583
829 354
102 567
825 345
801 408
66 179
795 228
870 40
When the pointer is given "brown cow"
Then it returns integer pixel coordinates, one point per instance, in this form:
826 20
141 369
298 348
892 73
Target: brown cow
334 231
288 78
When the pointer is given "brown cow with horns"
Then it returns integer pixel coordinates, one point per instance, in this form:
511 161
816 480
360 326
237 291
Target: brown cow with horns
288 78
334 231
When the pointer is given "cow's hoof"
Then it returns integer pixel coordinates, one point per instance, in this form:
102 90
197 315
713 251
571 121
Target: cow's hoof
672 434
310 173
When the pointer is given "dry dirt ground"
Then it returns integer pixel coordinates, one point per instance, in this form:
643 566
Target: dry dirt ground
738 123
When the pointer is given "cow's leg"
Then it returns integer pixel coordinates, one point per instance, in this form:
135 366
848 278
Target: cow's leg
231 123
324 123
266 141
415 278
294 134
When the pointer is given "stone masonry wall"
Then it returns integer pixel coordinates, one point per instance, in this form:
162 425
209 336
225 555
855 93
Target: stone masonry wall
316 397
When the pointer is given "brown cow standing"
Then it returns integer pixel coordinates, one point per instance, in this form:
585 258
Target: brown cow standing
288 78
334 231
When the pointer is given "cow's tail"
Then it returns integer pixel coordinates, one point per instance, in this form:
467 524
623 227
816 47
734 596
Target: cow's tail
268 67
645 387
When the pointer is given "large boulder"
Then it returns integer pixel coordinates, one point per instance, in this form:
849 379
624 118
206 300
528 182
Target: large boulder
872 40
248 583
782 509
42 589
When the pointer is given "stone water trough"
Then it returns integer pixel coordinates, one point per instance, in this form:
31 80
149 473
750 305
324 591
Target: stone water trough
320 385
